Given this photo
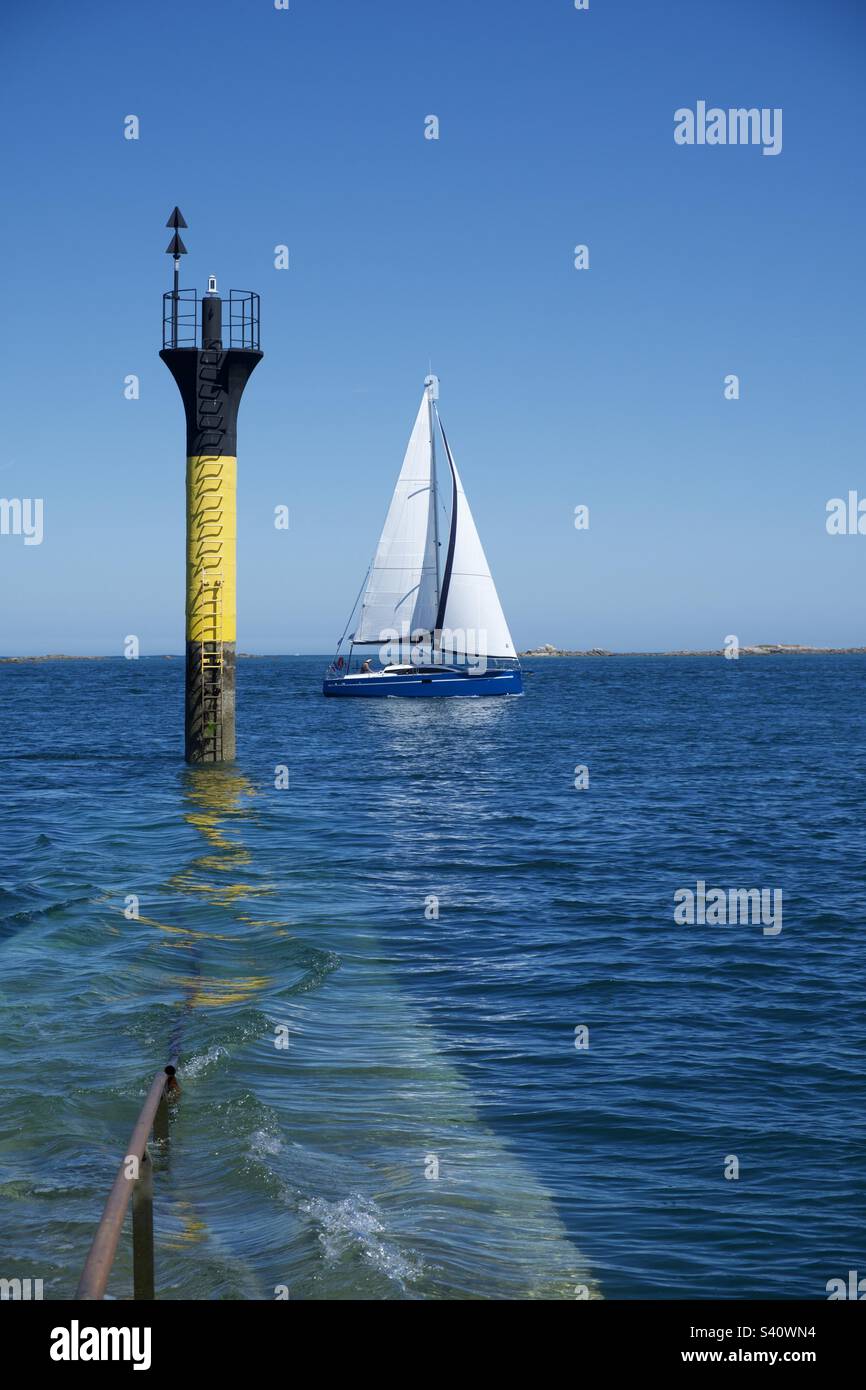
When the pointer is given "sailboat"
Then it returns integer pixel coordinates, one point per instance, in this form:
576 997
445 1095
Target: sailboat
428 620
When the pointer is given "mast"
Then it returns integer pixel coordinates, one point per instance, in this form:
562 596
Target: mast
432 385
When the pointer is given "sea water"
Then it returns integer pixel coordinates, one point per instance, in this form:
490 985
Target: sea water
440 1033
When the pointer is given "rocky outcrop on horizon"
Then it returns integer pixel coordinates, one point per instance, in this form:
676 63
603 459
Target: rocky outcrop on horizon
756 649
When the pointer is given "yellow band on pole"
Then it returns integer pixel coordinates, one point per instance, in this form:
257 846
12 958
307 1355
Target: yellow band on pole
211 548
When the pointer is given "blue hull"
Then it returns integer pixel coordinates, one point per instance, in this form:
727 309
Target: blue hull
424 686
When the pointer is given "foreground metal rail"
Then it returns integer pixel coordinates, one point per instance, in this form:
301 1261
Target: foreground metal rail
134 1179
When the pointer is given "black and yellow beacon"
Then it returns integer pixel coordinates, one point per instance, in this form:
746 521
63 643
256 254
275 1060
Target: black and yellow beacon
211 357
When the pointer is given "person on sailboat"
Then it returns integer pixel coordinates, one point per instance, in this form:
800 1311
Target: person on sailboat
367 668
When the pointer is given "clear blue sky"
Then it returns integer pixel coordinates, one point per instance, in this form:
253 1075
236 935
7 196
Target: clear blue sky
559 387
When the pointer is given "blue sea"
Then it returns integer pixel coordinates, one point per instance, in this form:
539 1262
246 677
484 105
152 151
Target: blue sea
374 975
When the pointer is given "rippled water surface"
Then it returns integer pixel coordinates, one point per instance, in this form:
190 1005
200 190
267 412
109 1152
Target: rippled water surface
419 1044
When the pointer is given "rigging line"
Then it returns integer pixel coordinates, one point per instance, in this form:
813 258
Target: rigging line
355 605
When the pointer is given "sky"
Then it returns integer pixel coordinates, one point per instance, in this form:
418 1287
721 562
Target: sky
602 387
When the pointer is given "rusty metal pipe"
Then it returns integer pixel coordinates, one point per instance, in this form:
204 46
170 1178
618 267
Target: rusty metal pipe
97 1268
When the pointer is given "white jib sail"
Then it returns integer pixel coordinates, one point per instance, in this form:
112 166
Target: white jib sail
402 590
473 614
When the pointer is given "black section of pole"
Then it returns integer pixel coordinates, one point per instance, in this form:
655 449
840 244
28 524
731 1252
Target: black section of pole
211 387
211 322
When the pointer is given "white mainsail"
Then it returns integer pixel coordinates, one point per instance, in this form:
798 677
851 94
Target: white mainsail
402 589
472 611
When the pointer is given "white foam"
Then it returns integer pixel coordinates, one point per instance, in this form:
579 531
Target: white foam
355 1225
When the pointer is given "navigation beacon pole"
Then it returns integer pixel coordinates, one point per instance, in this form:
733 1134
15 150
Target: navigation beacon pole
211 363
